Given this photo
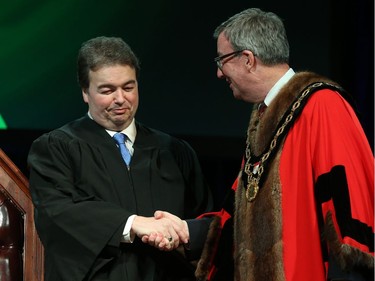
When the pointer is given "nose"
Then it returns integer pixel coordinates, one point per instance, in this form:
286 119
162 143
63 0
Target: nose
219 73
119 96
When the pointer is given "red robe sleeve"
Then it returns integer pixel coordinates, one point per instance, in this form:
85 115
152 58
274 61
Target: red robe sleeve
334 191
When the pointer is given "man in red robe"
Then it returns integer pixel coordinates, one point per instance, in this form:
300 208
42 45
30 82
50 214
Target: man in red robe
304 198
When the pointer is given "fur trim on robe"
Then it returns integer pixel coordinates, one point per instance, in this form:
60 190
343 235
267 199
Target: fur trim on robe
258 242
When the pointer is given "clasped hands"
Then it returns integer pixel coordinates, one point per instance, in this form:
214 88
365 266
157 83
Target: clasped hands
163 231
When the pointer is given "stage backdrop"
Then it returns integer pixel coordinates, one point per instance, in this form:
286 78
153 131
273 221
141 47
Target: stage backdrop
179 91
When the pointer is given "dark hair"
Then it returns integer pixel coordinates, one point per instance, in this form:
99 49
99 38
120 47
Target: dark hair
103 51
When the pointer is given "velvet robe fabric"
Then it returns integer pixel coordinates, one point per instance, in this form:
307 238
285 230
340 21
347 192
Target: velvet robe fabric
83 194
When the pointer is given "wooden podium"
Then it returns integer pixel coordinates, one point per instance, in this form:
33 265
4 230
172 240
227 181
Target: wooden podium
14 188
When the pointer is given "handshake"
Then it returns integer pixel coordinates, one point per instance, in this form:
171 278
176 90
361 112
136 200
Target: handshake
163 231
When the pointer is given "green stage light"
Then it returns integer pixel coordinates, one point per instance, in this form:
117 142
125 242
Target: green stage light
3 125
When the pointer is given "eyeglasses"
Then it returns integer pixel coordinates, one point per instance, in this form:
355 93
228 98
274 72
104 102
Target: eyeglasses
219 59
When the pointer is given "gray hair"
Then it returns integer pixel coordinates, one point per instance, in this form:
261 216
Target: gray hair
103 51
261 32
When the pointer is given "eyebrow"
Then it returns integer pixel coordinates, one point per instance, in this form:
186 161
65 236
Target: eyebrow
107 85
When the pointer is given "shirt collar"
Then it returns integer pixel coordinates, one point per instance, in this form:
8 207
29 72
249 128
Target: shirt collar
279 84
130 131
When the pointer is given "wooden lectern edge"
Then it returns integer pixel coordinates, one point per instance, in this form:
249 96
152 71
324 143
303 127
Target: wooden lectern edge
15 185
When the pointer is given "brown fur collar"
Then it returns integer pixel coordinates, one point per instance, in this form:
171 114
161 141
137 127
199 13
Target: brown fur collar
261 134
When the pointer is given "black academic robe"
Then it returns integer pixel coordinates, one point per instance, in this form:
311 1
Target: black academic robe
83 194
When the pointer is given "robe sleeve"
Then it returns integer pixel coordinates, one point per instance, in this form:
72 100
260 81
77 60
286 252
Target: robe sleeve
75 226
217 254
343 167
329 141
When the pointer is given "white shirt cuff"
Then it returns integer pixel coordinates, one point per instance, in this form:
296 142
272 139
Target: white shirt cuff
126 235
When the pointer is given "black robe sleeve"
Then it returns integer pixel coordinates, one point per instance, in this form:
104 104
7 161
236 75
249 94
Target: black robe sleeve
75 226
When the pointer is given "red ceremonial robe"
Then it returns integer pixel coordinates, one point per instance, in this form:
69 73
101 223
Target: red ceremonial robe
314 211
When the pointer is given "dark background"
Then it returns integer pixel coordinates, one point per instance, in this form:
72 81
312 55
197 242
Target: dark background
179 90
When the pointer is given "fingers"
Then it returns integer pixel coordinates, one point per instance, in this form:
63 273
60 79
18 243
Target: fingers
159 233
179 226
158 214
157 240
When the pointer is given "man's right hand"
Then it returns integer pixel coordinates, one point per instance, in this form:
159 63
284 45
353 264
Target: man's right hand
163 231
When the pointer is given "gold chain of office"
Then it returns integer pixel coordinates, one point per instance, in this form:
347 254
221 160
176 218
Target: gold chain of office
253 178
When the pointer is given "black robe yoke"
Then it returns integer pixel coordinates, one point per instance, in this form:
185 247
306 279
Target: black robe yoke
83 194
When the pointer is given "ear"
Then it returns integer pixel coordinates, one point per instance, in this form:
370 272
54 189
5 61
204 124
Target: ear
85 96
250 59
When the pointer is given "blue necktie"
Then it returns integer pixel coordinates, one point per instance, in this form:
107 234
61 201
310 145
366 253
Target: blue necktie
120 140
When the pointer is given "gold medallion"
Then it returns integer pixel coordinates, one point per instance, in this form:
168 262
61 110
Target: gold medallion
251 190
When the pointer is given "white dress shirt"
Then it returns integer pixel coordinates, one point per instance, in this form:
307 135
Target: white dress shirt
131 133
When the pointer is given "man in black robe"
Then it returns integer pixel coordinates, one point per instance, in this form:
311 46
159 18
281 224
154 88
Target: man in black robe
95 214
